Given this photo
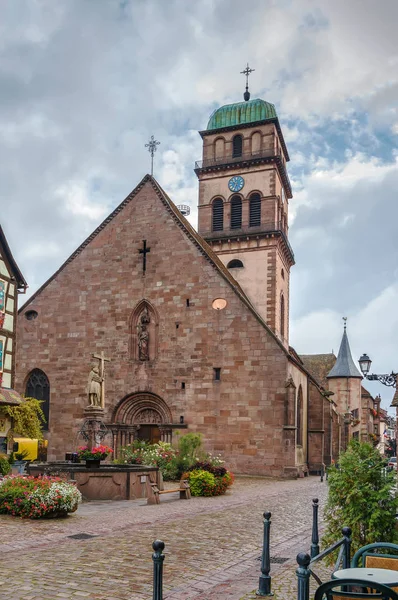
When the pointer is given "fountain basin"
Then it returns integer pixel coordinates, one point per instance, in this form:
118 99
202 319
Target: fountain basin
108 482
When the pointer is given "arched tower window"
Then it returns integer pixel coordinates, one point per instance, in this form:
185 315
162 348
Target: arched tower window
237 145
299 417
255 210
218 215
38 386
236 212
282 316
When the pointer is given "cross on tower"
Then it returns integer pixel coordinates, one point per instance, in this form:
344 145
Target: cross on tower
144 251
151 145
247 72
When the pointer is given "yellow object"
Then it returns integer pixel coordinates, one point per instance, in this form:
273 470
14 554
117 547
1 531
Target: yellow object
26 446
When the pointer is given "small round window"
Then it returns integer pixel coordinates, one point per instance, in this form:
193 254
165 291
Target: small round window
31 315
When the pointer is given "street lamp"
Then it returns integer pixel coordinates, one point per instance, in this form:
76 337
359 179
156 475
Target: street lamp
365 362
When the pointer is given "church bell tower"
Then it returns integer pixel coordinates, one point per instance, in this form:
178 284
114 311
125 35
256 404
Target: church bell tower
244 192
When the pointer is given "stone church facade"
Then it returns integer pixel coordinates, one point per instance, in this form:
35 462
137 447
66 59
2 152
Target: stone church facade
195 325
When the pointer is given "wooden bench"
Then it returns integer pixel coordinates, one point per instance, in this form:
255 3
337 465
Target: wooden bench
184 489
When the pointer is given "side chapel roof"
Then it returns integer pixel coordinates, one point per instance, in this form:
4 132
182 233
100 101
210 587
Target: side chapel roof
182 222
319 366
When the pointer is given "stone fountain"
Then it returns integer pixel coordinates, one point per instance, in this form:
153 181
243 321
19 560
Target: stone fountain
109 481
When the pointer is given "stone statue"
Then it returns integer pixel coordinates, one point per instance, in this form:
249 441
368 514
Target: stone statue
143 335
94 387
143 343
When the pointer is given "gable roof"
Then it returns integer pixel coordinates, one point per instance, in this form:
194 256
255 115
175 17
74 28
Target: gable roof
187 228
19 278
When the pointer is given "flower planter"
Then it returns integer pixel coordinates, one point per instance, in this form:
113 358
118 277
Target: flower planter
93 463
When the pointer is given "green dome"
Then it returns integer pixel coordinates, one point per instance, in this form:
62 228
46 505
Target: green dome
241 112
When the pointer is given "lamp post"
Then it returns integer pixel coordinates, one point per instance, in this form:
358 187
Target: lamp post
389 380
365 362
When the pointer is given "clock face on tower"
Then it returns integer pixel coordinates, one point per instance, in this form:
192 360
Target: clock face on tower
236 183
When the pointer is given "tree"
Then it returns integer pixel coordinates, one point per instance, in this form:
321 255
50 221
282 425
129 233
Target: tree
28 418
361 497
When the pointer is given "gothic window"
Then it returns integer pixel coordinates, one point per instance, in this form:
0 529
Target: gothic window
38 386
235 264
218 215
282 316
299 417
237 144
236 212
254 210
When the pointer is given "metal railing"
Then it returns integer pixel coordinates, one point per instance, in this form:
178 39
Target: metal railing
227 233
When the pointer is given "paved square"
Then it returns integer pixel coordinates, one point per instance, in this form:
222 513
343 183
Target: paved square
212 545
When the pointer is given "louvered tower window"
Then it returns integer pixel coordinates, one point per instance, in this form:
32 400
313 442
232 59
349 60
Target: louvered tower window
282 316
237 144
255 210
38 387
218 215
236 212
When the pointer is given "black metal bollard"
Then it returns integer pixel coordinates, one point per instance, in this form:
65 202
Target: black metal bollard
158 559
264 582
322 472
303 576
346 531
315 534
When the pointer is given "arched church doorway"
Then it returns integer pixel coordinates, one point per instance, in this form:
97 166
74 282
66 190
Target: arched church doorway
142 416
149 433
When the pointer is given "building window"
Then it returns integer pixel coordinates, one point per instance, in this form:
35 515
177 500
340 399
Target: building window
235 264
355 435
237 145
236 212
217 374
218 215
282 316
299 417
38 386
255 210
355 414
31 315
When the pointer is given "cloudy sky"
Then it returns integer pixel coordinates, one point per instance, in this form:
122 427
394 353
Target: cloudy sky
85 83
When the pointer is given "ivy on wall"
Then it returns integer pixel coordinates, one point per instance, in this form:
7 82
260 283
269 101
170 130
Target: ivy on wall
27 417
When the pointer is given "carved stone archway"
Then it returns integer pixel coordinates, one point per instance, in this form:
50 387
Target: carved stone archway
137 411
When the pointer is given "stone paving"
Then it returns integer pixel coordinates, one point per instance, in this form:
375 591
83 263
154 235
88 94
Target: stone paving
212 546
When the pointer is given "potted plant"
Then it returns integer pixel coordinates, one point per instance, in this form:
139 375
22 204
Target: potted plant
20 462
94 456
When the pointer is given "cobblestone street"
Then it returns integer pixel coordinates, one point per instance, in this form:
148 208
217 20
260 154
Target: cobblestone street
212 546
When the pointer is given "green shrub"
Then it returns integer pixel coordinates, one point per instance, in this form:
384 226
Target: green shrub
205 483
189 446
202 483
360 497
5 466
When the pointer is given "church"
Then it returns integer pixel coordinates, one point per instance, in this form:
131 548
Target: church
190 329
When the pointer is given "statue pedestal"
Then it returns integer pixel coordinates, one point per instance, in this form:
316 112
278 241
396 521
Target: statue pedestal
93 429
94 412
